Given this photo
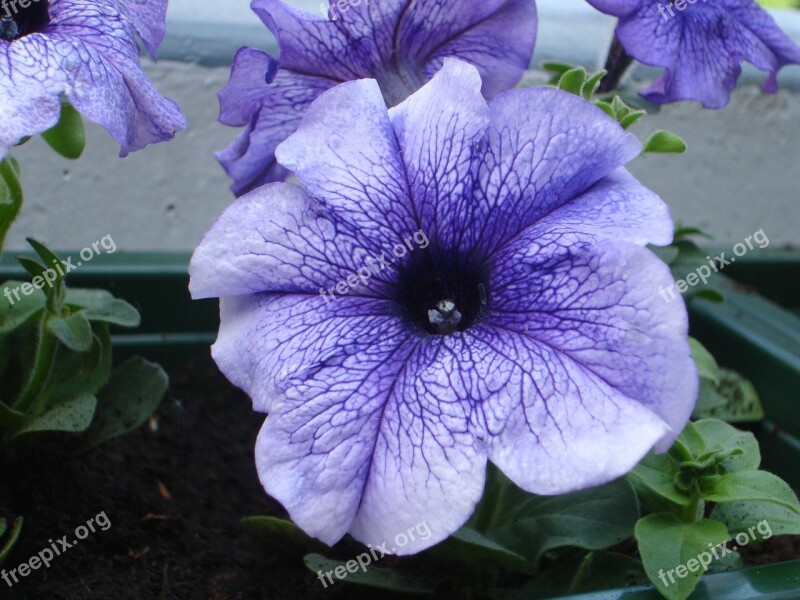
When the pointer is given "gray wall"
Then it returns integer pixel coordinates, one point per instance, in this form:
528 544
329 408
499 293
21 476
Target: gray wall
740 174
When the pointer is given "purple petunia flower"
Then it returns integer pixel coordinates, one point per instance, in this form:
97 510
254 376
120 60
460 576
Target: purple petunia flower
528 331
86 51
701 46
399 43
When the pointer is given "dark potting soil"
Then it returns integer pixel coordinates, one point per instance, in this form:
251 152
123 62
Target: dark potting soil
173 493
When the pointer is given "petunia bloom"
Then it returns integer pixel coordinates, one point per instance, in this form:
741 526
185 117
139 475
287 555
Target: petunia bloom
399 43
85 51
701 47
528 331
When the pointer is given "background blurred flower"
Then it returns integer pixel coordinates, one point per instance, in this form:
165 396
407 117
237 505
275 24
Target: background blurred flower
399 43
701 46
529 331
85 51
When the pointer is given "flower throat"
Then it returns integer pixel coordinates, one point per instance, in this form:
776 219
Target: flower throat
17 21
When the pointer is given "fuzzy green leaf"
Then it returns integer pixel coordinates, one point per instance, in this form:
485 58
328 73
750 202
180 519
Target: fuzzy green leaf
68 137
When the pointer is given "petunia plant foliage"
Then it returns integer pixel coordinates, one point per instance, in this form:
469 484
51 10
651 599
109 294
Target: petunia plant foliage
61 61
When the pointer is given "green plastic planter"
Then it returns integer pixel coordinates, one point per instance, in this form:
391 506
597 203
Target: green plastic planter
750 333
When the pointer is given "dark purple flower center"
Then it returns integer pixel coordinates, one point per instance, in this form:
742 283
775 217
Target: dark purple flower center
19 18
442 293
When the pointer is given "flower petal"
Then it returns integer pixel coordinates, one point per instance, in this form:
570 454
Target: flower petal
313 45
429 460
437 129
30 104
544 148
267 341
346 155
149 20
271 105
277 239
602 305
352 399
617 207
497 36
617 8
498 39
567 429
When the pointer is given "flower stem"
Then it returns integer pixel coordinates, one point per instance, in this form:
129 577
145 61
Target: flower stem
29 399
617 64
691 511
10 207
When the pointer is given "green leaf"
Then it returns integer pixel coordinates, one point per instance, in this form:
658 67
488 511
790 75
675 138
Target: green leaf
748 486
720 435
280 533
670 549
593 519
100 305
664 142
74 416
13 536
606 108
621 110
471 547
767 518
682 232
554 580
74 331
556 67
668 254
132 394
607 570
68 137
708 400
711 294
48 256
591 85
55 295
632 118
731 561
737 400
9 418
331 571
572 81
33 268
707 367
77 373
17 313
657 473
